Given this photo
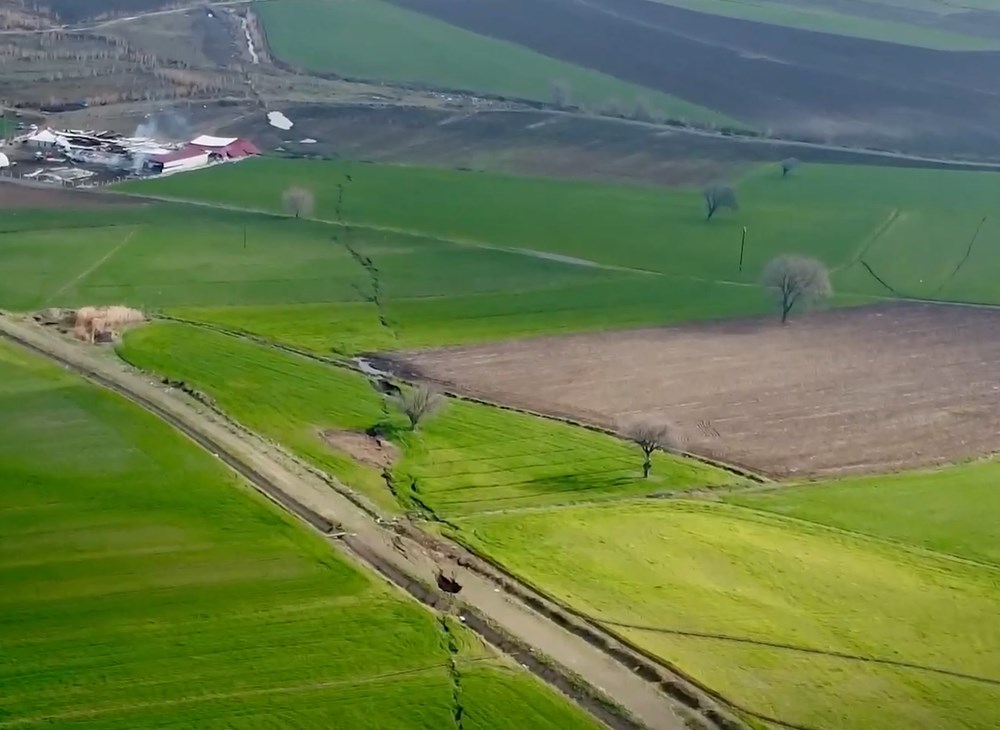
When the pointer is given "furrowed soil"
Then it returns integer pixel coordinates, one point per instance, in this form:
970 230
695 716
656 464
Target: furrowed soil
795 82
529 142
879 388
14 196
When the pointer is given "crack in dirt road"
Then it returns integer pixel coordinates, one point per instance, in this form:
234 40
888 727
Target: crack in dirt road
590 671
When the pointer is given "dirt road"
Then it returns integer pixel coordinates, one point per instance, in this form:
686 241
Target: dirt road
404 560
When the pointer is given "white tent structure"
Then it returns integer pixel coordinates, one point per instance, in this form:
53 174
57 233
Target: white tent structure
43 138
4 161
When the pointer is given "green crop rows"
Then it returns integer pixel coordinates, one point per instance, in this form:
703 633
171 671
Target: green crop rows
377 41
144 587
470 458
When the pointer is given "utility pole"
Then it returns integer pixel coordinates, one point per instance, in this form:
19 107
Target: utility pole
743 244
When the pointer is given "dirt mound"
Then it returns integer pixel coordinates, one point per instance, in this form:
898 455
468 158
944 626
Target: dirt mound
103 324
367 449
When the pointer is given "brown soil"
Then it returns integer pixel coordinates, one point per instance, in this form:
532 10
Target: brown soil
791 81
362 447
862 390
14 196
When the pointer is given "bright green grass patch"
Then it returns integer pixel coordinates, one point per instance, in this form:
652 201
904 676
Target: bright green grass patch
838 214
950 510
473 458
286 398
44 265
375 40
145 587
468 458
813 16
715 569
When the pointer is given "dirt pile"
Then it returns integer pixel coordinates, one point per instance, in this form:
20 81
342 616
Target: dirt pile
91 324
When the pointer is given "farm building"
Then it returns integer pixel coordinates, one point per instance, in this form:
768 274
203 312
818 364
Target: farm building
226 148
186 158
45 139
200 152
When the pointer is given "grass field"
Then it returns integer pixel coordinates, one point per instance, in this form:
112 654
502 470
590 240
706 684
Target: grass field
837 213
374 40
947 510
715 587
816 16
469 458
144 586
460 257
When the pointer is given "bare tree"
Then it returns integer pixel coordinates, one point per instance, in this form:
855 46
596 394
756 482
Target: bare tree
298 202
418 403
795 280
650 436
562 94
789 165
720 196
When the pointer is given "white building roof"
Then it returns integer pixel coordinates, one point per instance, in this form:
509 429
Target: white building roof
44 136
207 141
4 160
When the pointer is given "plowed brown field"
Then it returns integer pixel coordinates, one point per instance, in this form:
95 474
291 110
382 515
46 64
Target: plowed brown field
870 389
14 196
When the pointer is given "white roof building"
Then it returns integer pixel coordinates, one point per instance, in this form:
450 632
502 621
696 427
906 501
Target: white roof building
209 141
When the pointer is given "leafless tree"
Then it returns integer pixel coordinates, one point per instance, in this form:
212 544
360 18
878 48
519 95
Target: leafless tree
789 165
418 403
298 202
796 280
720 196
650 436
643 110
562 94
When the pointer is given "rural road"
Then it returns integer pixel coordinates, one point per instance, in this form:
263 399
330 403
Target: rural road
128 19
367 538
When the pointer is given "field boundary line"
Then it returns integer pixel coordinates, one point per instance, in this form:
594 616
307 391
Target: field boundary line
96 265
615 692
814 526
803 649
678 684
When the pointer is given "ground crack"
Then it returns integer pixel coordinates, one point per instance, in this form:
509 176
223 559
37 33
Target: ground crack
458 709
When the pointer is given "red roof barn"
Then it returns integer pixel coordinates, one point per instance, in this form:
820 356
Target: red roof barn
229 148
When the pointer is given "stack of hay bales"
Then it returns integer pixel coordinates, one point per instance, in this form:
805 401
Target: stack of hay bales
104 324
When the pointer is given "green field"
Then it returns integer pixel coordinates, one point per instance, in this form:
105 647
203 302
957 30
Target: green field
833 18
374 40
944 510
145 587
837 213
469 458
712 588
460 257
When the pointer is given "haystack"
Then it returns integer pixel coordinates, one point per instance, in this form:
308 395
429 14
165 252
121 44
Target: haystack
104 324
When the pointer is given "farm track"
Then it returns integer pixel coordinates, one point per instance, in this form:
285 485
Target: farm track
507 614
86 27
